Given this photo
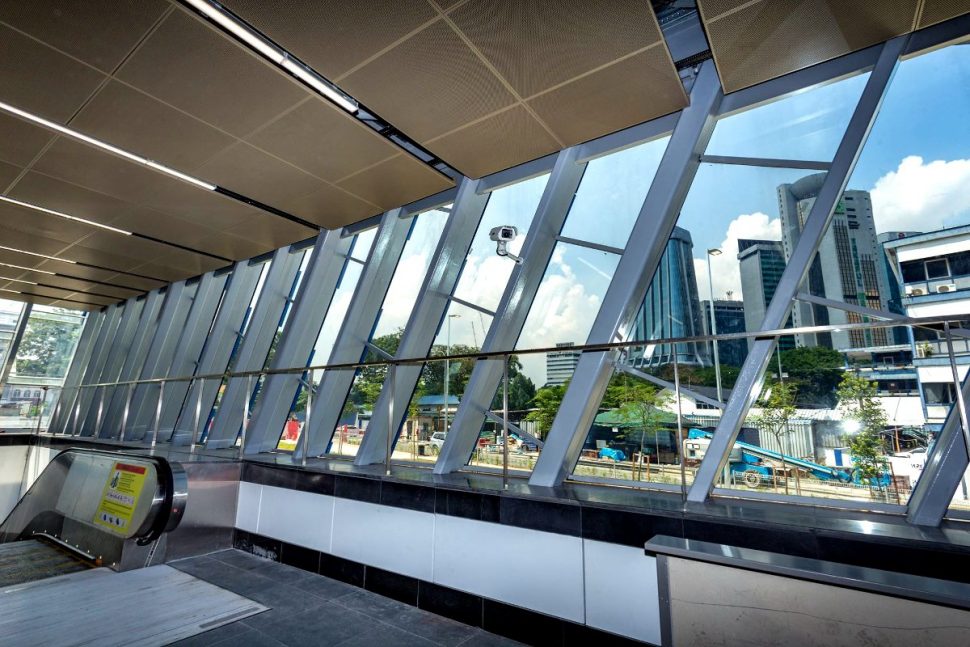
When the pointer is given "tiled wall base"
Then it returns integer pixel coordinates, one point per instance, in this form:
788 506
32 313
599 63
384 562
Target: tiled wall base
496 617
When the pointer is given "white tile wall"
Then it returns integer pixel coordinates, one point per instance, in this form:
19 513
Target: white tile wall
621 591
247 507
538 570
391 538
300 518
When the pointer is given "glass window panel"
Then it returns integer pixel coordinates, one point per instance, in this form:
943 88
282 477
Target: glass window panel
362 244
485 274
937 268
806 125
566 303
611 194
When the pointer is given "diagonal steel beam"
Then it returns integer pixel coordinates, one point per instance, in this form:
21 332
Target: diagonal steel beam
635 270
513 309
746 388
356 330
419 333
109 338
262 328
79 363
323 274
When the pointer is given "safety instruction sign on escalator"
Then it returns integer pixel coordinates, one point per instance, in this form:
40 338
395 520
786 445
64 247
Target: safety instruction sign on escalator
120 497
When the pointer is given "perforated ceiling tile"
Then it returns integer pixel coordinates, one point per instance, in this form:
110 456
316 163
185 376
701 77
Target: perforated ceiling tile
30 222
632 91
57 293
429 84
20 142
193 67
935 11
35 78
498 142
99 32
396 181
770 39
74 285
323 140
332 207
232 247
536 45
250 171
8 173
138 123
343 34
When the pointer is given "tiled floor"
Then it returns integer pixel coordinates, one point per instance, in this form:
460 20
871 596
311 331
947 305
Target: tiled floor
308 609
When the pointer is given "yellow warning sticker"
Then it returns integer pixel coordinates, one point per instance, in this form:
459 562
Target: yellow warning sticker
120 497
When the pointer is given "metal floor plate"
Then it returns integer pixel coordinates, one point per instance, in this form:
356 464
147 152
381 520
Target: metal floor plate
149 606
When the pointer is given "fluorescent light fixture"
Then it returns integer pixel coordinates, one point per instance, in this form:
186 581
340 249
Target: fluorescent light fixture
27 205
97 143
311 79
8 278
27 269
11 291
219 16
24 251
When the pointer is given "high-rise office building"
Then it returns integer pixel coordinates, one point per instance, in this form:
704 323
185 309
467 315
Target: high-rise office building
729 318
762 263
848 267
895 300
561 364
672 308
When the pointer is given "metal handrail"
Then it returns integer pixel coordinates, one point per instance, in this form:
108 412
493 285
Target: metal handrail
918 322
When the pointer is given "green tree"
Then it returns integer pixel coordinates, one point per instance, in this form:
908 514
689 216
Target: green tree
546 403
857 402
46 347
777 409
815 372
642 404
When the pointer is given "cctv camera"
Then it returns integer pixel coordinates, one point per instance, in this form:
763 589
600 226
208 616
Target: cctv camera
502 236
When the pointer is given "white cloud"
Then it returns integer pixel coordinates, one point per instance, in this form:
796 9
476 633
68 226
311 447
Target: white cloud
725 269
920 196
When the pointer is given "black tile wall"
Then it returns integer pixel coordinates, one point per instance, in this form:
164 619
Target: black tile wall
627 528
357 488
342 569
562 518
407 495
300 557
392 585
457 605
521 624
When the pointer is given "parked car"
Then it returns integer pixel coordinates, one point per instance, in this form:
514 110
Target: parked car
437 440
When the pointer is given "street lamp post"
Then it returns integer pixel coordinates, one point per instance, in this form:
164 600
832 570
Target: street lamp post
714 251
448 365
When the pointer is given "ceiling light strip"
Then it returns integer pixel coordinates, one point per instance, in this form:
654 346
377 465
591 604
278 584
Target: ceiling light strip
217 14
60 287
76 278
27 205
41 296
79 264
59 214
97 143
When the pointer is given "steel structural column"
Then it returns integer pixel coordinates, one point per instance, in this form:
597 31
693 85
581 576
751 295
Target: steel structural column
18 335
192 339
422 326
134 358
945 467
323 274
256 343
512 311
632 277
217 348
355 331
171 320
99 355
79 363
115 351
746 387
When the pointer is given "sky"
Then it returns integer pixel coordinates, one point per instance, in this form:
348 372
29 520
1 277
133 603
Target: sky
916 165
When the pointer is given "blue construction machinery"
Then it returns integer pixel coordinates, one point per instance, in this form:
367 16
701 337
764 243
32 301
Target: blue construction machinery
747 463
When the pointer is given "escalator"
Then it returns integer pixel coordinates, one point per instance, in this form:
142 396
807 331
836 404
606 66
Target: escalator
91 509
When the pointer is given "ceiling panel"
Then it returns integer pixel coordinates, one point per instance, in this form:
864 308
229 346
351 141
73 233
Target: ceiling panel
137 122
396 181
99 32
537 45
770 38
349 32
8 173
497 142
67 269
935 11
57 293
332 207
617 94
187 64
34 77
19 141
75 285
430 84
310 134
